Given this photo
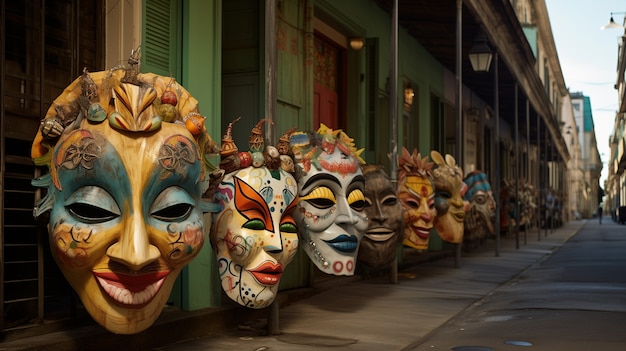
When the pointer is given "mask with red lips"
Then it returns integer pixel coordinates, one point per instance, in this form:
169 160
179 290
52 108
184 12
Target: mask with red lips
416 192
255 235
126 205
330 215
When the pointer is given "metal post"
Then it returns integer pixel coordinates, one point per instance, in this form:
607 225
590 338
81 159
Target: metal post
270 70
273 320
517 163
553 182
459 103
546 181
459 84
393 276
2 119
537 176
393 111
41 243
497 180
527 176
270 110
393 97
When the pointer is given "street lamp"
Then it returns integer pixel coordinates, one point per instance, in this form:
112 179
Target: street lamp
357 43
612 24
480 55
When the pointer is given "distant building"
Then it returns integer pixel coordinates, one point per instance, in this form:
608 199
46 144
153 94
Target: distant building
591 163
616 180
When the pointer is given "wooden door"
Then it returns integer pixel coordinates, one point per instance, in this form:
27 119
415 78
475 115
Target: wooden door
327 79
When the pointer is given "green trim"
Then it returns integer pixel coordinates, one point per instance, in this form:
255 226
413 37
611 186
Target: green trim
587 114
161 52
202 77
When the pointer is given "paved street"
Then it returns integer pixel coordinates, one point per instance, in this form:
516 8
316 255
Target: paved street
573 300
551 294
566 291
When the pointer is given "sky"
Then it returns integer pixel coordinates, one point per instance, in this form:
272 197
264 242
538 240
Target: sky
588 57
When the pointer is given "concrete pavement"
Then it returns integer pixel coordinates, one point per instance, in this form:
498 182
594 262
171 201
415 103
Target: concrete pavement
574 300
373 314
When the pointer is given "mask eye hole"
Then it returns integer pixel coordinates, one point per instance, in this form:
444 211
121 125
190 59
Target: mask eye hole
173 213
90 214
254 224
480 199
356 200
288 228
321 197
321 203
92 204
287 223
390 201
412 203
172 205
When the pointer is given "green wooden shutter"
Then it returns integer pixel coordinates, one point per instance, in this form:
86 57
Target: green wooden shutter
161 44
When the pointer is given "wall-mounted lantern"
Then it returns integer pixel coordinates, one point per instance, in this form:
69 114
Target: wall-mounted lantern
480 55
612 24
357 43
408 96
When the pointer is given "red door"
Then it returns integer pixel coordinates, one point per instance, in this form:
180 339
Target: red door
326 84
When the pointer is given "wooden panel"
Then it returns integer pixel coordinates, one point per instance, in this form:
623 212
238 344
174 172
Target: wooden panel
290 53
241 27
291 116
161 44
240 98
34 75
325 109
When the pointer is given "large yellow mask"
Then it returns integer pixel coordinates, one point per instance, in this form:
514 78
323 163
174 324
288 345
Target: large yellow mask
125 191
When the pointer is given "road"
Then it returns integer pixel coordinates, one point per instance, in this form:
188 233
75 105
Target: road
565 292
574 300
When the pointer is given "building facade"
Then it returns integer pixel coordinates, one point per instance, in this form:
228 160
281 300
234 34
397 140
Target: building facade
590 157
615 187
298 63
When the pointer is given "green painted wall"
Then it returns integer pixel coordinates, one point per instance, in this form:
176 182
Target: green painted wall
201 76
294 83
202 73
531 35
414 62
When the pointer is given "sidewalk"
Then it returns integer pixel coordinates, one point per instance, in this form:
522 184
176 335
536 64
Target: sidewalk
376 315
370 314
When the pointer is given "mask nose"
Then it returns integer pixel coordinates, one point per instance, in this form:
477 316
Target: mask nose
134 249
345 215
272 242
378 216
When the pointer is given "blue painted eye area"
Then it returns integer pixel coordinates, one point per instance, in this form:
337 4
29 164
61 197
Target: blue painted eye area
172 205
